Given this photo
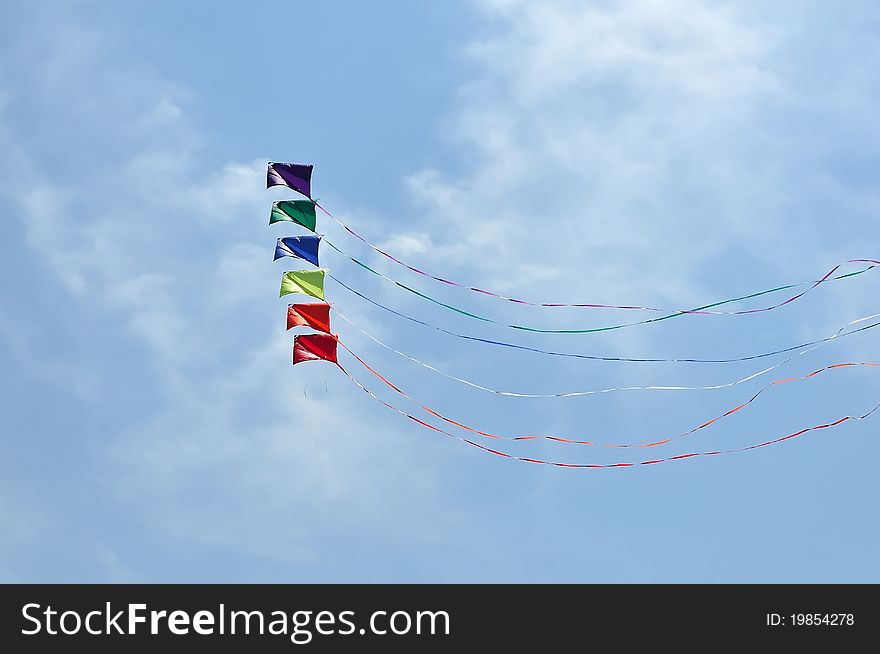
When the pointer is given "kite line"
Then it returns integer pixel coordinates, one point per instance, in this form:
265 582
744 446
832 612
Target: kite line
606 328
600 391
595 466
593 357
501 296
306 247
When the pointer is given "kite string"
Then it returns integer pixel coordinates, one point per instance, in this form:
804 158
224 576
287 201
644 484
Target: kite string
590 330
572 441
699 310
591 357
595 466
571 393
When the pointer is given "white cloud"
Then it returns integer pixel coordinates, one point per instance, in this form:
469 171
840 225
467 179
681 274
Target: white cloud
408 244
701 50
176 252
603 133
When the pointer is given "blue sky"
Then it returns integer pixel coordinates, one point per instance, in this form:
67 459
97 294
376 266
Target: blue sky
664 152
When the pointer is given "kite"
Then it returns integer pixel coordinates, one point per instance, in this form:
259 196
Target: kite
301 247
301 212
307 282
296 176
314 347
315 315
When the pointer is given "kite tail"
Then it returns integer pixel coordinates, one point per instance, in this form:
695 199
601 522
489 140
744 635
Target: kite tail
568 394
672 312
574 441
597 466
588 330
592 357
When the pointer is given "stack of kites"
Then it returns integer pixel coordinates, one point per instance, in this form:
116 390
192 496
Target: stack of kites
316 315
323 344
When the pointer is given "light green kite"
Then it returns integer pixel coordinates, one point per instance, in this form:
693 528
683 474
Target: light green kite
307 282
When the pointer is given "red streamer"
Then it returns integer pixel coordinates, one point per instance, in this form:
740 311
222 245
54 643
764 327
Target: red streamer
598 466
573 441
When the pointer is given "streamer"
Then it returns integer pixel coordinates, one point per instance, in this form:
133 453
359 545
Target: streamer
571 393
598 466
590 330
574 441
593 357
873 263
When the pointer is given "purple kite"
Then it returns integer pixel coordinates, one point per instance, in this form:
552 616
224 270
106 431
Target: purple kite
296 176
